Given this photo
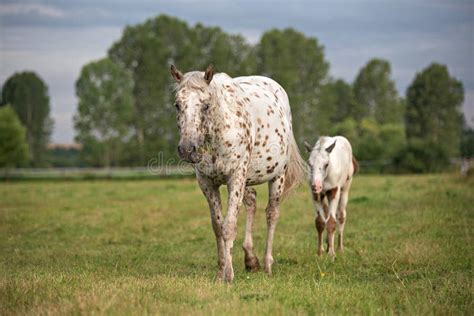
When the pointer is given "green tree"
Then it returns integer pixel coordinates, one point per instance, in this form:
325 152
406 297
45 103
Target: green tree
393 139
229 53
433 113
297 63
376 94
28 96
467 143
421 156
339 101
145 50
369 145
375 143
148 49
349 129
104 113
13 146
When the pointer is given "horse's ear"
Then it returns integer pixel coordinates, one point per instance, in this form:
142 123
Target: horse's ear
209 73
330 148
308 147
176 74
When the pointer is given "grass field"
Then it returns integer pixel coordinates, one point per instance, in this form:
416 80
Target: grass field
147 247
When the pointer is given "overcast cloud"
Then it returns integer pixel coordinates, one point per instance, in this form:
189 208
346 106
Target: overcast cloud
56 38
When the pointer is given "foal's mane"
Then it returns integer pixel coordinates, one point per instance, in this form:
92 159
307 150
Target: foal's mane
321 143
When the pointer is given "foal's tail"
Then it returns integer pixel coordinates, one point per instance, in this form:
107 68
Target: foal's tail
297 169
355 164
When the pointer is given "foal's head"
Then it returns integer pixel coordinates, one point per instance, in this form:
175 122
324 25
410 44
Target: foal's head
193 101
319 163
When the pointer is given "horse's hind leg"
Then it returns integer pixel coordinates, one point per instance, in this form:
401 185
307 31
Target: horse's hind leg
275 190
250 202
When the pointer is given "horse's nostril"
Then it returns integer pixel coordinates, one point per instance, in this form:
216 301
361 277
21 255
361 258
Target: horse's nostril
193 148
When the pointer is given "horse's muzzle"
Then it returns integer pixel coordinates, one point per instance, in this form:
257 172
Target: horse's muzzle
188 152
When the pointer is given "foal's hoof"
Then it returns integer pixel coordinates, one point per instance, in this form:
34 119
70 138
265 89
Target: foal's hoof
268 266
332 254
268 270
252 264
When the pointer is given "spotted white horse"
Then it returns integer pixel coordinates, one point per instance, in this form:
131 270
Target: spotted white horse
237 132
332 166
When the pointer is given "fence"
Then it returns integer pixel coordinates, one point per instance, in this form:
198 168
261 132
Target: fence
168 171
95 173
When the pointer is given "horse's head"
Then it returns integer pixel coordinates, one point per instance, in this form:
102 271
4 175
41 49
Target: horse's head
193 101
319 163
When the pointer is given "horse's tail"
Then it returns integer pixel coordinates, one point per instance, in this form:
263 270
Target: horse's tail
297 169
355 164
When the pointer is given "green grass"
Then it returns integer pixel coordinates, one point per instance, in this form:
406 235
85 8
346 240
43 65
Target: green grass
147 247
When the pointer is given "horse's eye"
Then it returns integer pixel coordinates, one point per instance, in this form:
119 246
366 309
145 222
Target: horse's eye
176 105
206 107
326 166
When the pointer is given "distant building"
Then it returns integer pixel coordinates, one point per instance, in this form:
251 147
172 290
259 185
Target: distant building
64 146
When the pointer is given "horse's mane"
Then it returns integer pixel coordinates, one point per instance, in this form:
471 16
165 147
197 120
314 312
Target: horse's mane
195 80
192 80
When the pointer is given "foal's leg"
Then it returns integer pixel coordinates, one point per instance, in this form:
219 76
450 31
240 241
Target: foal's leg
213 197
235 187
275 190
250 202
320 221
341 214
320 225
333 198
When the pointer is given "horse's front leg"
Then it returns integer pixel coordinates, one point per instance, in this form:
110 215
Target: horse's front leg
235 187
275 191
213 197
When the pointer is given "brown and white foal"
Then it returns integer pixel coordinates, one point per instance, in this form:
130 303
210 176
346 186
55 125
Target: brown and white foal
332 166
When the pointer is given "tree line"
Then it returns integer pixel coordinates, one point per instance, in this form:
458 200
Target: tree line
25 122
125 115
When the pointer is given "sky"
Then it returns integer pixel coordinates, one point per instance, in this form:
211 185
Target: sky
57 38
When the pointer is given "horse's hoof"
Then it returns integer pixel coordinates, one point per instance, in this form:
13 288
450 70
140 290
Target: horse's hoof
252 264
228 275
220 276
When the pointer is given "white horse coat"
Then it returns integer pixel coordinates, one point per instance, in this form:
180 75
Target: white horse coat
332 167
237 132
